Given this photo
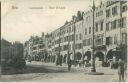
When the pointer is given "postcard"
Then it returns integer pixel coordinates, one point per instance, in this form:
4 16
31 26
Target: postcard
63 41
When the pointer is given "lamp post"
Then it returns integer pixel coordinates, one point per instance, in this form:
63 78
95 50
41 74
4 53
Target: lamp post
69 41
74 21
59 46
93 69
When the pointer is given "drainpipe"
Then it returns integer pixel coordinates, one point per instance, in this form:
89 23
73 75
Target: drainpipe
74 39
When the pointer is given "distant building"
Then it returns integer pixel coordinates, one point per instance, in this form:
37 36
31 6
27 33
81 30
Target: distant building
11 50
34 48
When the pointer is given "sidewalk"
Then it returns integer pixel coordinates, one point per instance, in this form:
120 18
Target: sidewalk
105 70
77 74
109 74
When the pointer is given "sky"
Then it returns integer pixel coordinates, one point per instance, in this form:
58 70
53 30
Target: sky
23 18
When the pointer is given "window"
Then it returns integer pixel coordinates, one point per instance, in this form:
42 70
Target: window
115 39
122 22
99 13
69 29
64 39
107 26
85 31
65 47
80 36
124 8
89 30
108 40
101 27
89 41
96 27
34 48
67 38
99 41
114 24
77 37
41 46
84 43
72 28
72 37
108 13
124 38
114 10
61 40
80 46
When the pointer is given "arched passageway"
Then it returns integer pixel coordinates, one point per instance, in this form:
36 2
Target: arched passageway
110 54
114 53
87 56
78 56
99 55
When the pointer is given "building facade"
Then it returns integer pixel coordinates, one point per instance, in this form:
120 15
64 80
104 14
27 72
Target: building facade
34 48
110 31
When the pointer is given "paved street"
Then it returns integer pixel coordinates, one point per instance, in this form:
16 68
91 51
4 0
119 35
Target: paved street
48 72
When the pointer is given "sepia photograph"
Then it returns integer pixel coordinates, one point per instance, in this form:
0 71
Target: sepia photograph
63 41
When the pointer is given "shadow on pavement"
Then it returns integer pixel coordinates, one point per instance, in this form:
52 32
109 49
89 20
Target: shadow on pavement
45 69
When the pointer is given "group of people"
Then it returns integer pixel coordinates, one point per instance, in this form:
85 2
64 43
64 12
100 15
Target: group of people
121 66
69 59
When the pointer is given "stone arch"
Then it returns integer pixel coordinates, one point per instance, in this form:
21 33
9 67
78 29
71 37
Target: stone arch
88 54
100 55
113 52
109 54
78 56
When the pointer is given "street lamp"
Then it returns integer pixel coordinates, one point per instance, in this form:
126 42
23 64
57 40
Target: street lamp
74 21
93 69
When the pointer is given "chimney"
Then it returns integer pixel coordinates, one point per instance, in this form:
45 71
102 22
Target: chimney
42 34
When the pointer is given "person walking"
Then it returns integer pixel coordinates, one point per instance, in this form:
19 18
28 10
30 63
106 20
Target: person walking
70 60
121 70
61 58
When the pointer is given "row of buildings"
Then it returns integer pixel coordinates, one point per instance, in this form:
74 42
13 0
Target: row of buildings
11 50
11 56
35 47
76 35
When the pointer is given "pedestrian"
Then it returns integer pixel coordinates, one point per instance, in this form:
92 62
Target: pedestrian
70 60
57 59
61 58
121 70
